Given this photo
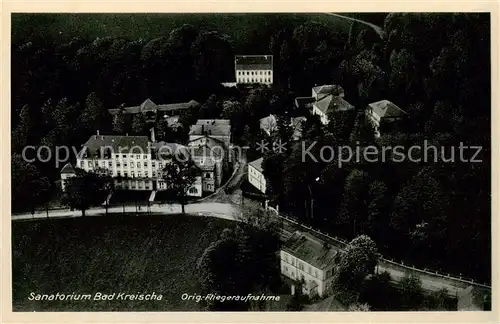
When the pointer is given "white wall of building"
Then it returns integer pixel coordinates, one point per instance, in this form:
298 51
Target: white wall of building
254 76
256 179
296 269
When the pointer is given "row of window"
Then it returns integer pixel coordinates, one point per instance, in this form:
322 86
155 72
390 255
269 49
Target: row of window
302 266
119 164
254 80
133 185
254 73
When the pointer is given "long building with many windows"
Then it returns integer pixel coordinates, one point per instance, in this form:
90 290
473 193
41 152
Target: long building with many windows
135 162
254 69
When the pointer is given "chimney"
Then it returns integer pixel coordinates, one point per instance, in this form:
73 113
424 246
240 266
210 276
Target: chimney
152 130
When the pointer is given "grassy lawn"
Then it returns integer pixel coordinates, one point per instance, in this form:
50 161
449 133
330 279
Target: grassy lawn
110 254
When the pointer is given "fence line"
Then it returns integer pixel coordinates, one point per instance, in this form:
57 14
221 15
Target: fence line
398 264
293 220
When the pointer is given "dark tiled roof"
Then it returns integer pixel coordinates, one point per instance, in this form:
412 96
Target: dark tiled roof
385 108
205 151
214 130
257 164
253 62
68 168
213 122
149 105
310 250
330 102
332 89
117 144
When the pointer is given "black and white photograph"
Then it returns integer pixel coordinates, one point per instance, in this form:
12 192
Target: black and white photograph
251 162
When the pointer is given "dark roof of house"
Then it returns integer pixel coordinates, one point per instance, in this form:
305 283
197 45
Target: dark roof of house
213 122
257 164
332 89
68 168
385 108
205 151
149 105
165 150
310 249
211 130
215 140
253 62
117 144
330 102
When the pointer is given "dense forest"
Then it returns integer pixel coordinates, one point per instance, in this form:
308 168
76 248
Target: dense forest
434 66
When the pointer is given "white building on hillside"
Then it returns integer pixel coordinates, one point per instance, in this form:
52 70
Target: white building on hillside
135 162
256 175
309 260
383 111
254 69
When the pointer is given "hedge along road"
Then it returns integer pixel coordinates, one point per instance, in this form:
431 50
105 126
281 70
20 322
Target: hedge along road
430 282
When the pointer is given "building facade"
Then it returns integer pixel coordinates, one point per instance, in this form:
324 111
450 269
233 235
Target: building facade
152 111
327 104
309 261
253 69
134 162
256 176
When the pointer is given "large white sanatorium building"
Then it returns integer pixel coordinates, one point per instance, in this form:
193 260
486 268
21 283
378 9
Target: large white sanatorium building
135 162
254 69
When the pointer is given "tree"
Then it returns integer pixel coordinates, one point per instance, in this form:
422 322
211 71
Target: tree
29 188
21 134
138 123
227 265
411 291
86 189
119 121
357 307
356 262
179 175
438 299
93 114
353 205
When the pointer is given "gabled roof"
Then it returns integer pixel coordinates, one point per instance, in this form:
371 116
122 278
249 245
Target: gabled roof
213 122
205 151
301 102
257 164
331 102
117 144
332 89
311 250
385 108
215 141
149 105
253 62
211 130
68 168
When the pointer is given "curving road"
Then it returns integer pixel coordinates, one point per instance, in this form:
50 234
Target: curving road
377 29
230 211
